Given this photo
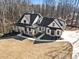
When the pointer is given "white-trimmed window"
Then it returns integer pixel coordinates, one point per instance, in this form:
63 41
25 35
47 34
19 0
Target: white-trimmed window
48 31
29 29
40 29
52 32
58 32
25 29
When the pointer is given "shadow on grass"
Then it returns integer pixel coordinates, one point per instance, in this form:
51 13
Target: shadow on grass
11 35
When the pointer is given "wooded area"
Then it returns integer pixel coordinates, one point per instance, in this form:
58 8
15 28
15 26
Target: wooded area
12 10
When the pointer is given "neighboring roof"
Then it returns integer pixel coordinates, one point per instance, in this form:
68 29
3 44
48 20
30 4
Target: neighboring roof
59 25
46 21
32 17
61 20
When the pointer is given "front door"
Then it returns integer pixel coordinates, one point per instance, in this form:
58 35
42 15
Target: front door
52 32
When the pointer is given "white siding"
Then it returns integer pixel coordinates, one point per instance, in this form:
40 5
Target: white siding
27 29
27 18
22 30
16 28
32 30
55 25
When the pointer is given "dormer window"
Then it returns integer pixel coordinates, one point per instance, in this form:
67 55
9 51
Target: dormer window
24 21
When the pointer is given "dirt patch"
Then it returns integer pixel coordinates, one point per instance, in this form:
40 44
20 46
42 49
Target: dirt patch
15 49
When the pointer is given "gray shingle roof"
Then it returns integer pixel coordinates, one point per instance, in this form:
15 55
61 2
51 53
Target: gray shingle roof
46 21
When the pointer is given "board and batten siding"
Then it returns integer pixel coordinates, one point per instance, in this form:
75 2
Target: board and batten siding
20 29
17 29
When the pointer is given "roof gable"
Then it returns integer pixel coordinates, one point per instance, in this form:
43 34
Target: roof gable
54 24
26 18
30 18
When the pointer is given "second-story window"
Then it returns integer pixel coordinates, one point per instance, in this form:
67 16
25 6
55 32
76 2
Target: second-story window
24 21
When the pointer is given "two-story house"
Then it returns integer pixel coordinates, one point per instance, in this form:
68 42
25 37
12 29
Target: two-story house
33 24
27 24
